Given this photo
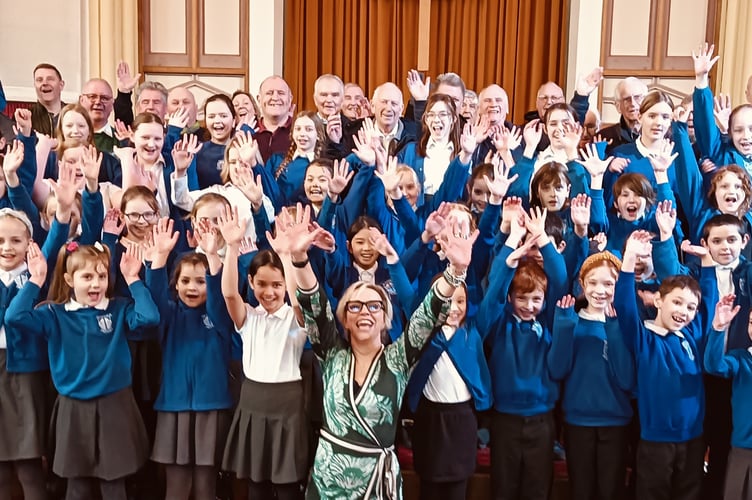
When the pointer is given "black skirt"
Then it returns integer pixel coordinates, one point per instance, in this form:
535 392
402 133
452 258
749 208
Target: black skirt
102 438
191 437
445 441
268 438
24 413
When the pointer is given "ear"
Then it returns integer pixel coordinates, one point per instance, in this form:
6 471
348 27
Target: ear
250 282
68 279
349 248
657 300
705 243
745 240
561 246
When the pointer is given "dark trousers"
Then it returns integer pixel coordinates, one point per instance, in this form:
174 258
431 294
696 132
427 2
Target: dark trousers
522 454
670 471
717 434
739 475
596 461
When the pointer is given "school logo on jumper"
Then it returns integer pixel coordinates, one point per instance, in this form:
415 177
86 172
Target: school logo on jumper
207 322
220 164
21 280
389 287
105 323
688 348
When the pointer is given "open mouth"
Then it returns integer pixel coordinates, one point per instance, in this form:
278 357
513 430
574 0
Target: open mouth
364 323
679 319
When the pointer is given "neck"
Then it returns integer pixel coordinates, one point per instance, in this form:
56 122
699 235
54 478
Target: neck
273 122
649 143
99 125
53 107
633 125
221 142
594 310
386 130
366 349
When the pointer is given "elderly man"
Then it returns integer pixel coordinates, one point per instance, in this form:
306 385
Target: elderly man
181 97
493 106
49 84
628 97
275 100
328 95
355 105
96 97
469 109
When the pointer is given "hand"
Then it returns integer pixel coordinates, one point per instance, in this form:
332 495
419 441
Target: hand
47 142
703 60
123 132
482 129
232 226
725 312
601 240
499 186
113 222
457 242
381 243
571 138
13 157
599 138
65 186
663 159
579 210
510 212
23 121
340 179
207 237
391 179
592 162
381 154
681 114
334 128
665 218
566 302
36 263
298 231
618 165
506 140
323 239
707 166
436 222
418 89
247 245
517 229
638 243
535 223
588 83
252 188
722 111
372 135
179 118
183 152
92 161
513 259
468 141
610 311
163 237
697 250
125 81
131 261
532 134
363 149
247 148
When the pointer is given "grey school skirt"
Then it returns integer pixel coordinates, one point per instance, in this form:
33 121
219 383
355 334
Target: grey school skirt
103 438
268 438
191 437
24 413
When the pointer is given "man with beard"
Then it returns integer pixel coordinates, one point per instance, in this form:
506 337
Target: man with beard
49 84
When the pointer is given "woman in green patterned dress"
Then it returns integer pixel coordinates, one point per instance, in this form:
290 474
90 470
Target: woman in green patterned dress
364 381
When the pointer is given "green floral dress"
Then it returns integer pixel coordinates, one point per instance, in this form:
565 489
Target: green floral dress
355 457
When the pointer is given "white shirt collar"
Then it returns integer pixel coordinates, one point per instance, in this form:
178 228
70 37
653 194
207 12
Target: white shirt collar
592 317
650 325
279 313
107 129
431 144
367 275
7 277
72 305
642 148
299 154
728 267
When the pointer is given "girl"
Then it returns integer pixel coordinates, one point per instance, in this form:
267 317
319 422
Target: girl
195 334
219 115
24 364
450 380
477 189
589 354
550 188
307 137
268 441
316 182
98 432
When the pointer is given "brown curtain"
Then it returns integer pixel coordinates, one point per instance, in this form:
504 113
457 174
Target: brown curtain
518 44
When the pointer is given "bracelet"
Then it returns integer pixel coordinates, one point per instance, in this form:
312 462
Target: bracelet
301 264
454 279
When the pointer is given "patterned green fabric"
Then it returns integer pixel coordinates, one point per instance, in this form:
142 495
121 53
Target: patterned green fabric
339 472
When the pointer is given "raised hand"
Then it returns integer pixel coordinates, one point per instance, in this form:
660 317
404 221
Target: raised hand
579 211
468 143
592 162
665 218
391 178
131 262
436 222
13 159
601 240
232 226
722 111
510 211
457 243
123 132
207 237
65 186
340 179
499 186
725 312
704 61
334 128
183 152
571 138
125 81
532 134
23 121
381 243
323 239
247 148
707 166
536 224
681 114
113 222
586 84
91 160
507 140
566 302
164 238
418 89
638 243
250 187
179 118
36 263
618 165
662 160
363 149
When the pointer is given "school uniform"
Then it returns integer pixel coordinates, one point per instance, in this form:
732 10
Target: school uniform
670 393
709 138
526 168
288 179
97 430
637 154
209 163
268 438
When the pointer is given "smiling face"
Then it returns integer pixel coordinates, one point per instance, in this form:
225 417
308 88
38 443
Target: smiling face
304 134
89 283
75 128
409 185
353 101
676 309
556 121
741 130
363 252
152 101
316 184
629 205
96 97
725 244
548 95
181 97
268 285
14 241
148 139
527 305
458 308
479 194
140 216
439 121
598 287
48 86
275 98
243 106
729 193
191 284
387 106
655 123
328 95
494 104
219 121
365 326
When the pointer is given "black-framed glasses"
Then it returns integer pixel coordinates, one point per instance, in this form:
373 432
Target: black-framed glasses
372 306
148 217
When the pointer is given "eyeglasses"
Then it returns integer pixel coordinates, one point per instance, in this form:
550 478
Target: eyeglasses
632 98
372 306
551 98
148 217
98 97
441 114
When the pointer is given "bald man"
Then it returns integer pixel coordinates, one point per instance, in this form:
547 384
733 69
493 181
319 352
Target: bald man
628 97
275 100
96 97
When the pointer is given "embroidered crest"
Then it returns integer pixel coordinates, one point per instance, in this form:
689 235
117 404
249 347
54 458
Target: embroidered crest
207 322
688 349
220 164
389 287
105 323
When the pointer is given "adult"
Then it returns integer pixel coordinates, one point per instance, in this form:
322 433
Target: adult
49 84
96 99
355 105
469 109
360 373
493 107
446 83
328 95
275 100
628 97
182 97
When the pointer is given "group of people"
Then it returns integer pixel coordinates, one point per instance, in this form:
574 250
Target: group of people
271 293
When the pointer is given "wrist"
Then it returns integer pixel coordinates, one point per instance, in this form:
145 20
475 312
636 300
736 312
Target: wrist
395 194
719 327
298 256
581 230
701 80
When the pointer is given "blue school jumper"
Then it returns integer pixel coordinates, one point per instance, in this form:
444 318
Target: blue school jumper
87 348
709 137
579 179
209 162
289 180
670 390
638 165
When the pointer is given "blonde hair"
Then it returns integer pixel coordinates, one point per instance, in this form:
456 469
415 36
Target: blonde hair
341 312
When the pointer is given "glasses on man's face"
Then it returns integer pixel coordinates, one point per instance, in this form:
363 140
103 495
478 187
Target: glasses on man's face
104 99
637 98
441 114
147 217
551 98
372 306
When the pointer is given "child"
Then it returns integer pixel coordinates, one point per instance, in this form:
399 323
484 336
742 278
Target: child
219 114
267 442
589 354
98 432
196 339
735 364
668 357
518 344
